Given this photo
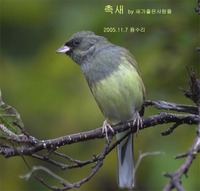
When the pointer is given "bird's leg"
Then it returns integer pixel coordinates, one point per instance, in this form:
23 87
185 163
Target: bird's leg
105 128
137 121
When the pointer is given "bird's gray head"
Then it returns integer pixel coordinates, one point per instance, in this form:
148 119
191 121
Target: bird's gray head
81 46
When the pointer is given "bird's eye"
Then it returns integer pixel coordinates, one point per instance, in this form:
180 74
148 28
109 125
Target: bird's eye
76 41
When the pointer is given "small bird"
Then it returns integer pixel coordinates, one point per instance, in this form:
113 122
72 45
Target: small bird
116 84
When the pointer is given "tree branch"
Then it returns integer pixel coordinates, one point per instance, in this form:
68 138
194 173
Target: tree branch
31 146
175 178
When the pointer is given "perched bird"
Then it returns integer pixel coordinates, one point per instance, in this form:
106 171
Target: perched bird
115 82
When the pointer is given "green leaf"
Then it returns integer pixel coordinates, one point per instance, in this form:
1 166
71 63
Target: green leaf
10 118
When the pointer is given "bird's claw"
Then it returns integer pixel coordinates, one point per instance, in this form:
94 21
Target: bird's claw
138 122
106 128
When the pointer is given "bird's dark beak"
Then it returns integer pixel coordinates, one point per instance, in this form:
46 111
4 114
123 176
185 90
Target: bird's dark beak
63 49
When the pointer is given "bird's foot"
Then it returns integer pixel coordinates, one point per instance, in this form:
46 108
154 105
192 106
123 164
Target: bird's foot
106 128
138 122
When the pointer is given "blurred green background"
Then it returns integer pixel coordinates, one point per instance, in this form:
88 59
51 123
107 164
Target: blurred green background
52 96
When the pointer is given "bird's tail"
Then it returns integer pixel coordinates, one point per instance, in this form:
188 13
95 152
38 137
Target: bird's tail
125 156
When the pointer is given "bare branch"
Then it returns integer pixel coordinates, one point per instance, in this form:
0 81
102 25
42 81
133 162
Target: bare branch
32 147
172 106
175 177
142 155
